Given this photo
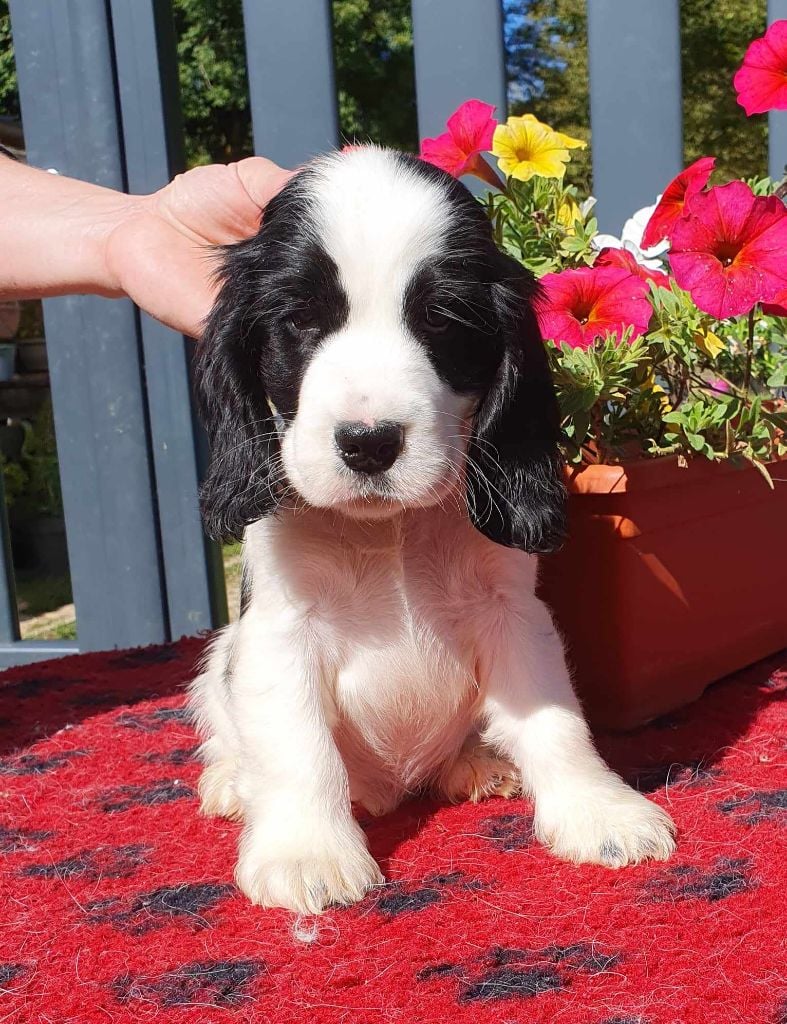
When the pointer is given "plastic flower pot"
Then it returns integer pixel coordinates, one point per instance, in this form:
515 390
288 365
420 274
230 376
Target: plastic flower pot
671 579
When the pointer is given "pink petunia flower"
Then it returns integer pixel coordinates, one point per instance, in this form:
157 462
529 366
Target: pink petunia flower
624 258
730 250
458 151
578 306
669 208
761 81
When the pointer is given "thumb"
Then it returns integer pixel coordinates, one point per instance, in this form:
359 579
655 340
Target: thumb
261 178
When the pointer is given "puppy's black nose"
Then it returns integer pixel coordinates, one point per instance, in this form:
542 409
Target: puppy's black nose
369 449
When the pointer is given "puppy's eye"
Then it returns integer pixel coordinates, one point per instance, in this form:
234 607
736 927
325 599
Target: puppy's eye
303 321
437 320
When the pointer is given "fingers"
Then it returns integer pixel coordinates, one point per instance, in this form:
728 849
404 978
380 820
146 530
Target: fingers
261 178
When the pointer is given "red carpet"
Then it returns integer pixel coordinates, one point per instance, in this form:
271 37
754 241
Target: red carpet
117 903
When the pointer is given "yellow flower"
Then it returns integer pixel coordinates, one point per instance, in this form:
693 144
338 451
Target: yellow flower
658 392
708 342
568 214
525 147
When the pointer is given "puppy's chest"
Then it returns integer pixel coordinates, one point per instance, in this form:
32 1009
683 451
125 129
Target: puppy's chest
405 669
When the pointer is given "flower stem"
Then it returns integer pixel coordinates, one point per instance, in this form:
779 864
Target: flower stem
597 421
749 353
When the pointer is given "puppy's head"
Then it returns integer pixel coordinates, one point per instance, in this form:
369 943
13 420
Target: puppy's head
371 350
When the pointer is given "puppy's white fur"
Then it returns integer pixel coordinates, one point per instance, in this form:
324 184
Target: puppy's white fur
387 645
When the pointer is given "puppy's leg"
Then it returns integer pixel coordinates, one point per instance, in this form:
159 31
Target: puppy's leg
476 773
301 848
208 700
583 811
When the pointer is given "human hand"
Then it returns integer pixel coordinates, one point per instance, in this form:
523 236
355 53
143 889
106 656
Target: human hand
159 252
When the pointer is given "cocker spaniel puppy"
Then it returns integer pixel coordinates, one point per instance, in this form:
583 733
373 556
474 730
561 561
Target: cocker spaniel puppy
384 431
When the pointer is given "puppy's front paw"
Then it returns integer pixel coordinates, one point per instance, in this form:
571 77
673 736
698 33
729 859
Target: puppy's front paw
305 875
609 824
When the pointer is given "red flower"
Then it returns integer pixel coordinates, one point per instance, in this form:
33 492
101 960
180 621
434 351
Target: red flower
458 151
625 258
670 207
730 250
761 81
578 306
778 308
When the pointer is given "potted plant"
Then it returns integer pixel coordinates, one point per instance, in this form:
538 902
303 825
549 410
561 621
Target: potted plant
38 525
670 358
31 343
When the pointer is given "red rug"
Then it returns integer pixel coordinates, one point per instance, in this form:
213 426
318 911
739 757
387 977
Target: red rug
117 903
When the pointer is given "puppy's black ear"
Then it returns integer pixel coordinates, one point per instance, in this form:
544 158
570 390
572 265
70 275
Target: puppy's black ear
516 494
244 472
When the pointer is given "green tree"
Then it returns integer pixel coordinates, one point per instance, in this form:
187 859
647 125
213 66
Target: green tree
373 44
557 30
9 98
714 37
547 42
214 92
715 34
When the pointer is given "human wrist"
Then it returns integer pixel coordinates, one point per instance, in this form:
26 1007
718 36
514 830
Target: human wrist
58 230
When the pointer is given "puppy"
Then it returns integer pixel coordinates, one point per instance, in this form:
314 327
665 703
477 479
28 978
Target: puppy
385 432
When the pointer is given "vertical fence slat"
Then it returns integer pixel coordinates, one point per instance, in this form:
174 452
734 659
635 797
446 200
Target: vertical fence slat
153 141
459 55
69 110
9 616
635 103
289 49
777 119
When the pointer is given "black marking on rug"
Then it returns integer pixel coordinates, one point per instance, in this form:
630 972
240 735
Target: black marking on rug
509 831
761 805
33 686
508 973
10 972
99 699
31 764
727 877
582 956
21 840
188 903
164 791
398 899
152 721
686 774
158 655
220 983
179 756
93 865
439 971
623 1020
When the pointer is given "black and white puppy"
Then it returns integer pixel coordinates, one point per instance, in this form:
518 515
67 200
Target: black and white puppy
384 430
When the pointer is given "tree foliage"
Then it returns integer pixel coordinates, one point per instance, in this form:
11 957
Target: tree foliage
548 50
715 34
547 70
214 91
9 98
373 44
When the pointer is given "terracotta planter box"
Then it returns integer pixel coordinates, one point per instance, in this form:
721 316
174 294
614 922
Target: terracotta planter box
671 579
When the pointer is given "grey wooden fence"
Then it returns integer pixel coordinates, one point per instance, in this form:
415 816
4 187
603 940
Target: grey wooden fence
97 81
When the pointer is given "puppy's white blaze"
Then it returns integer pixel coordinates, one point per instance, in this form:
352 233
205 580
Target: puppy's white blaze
379 222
